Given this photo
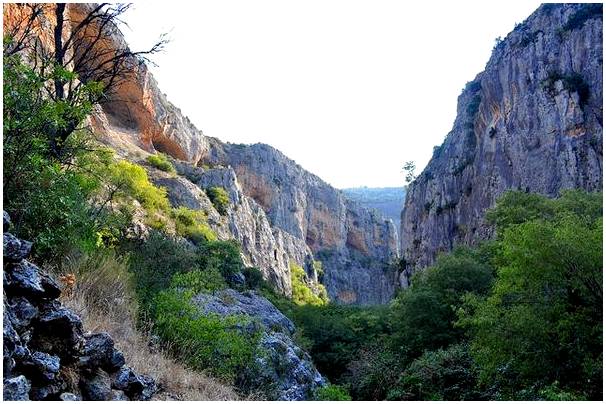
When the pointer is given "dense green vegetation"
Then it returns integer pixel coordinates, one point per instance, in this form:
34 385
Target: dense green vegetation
332 392
219 344
302 293
518 317
219 198
192 225
161 162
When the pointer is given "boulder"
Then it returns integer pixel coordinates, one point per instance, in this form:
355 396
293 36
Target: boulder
42 366
6 221
16 389
99 351
96 386
47 391
69 397
15 249
230 302
26 279
288 367
137 387
23 312
59 331
281 368
119 395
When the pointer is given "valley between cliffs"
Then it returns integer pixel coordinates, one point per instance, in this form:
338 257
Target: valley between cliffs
147 260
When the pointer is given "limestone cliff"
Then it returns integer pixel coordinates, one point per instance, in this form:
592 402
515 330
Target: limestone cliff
356 245
268 248
278 212
531 121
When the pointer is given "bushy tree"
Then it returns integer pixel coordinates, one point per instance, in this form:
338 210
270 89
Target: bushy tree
423 315
445 374
542 322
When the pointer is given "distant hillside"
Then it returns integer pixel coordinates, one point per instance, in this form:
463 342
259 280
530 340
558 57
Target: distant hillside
389 201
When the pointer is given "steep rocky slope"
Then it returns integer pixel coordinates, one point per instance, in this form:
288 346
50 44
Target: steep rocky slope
280 214
268 248
531 121
356 245
47 355
278 217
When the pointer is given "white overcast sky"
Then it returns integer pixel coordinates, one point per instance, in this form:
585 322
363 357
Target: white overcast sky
349 89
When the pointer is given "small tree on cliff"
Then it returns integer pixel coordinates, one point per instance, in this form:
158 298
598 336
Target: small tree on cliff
409 171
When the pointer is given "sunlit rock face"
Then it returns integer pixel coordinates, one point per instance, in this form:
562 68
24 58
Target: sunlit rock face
531 121
356 245
279 212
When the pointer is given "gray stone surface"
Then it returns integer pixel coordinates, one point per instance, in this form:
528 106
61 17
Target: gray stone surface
529 133
15 249
96 386
355 244
16 389
282 369
26 278
230 302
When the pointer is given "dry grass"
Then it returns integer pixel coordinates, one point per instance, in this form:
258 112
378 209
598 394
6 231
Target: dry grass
103 298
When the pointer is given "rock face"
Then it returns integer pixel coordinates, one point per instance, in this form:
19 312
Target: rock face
280 214
281 364
263 246
355 244
531 121
47 355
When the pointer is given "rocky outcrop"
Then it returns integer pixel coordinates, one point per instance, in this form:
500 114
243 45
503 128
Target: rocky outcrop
263 246
281 365
47 354
136 112
355 245
531 121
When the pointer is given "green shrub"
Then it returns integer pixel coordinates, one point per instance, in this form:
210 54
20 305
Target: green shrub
224 256
542 322
332 392
443 375
254 278
155 261
219 198
132 180
423 314
374 371
161 162
199 281
336 333
205 342
192 225
301 292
